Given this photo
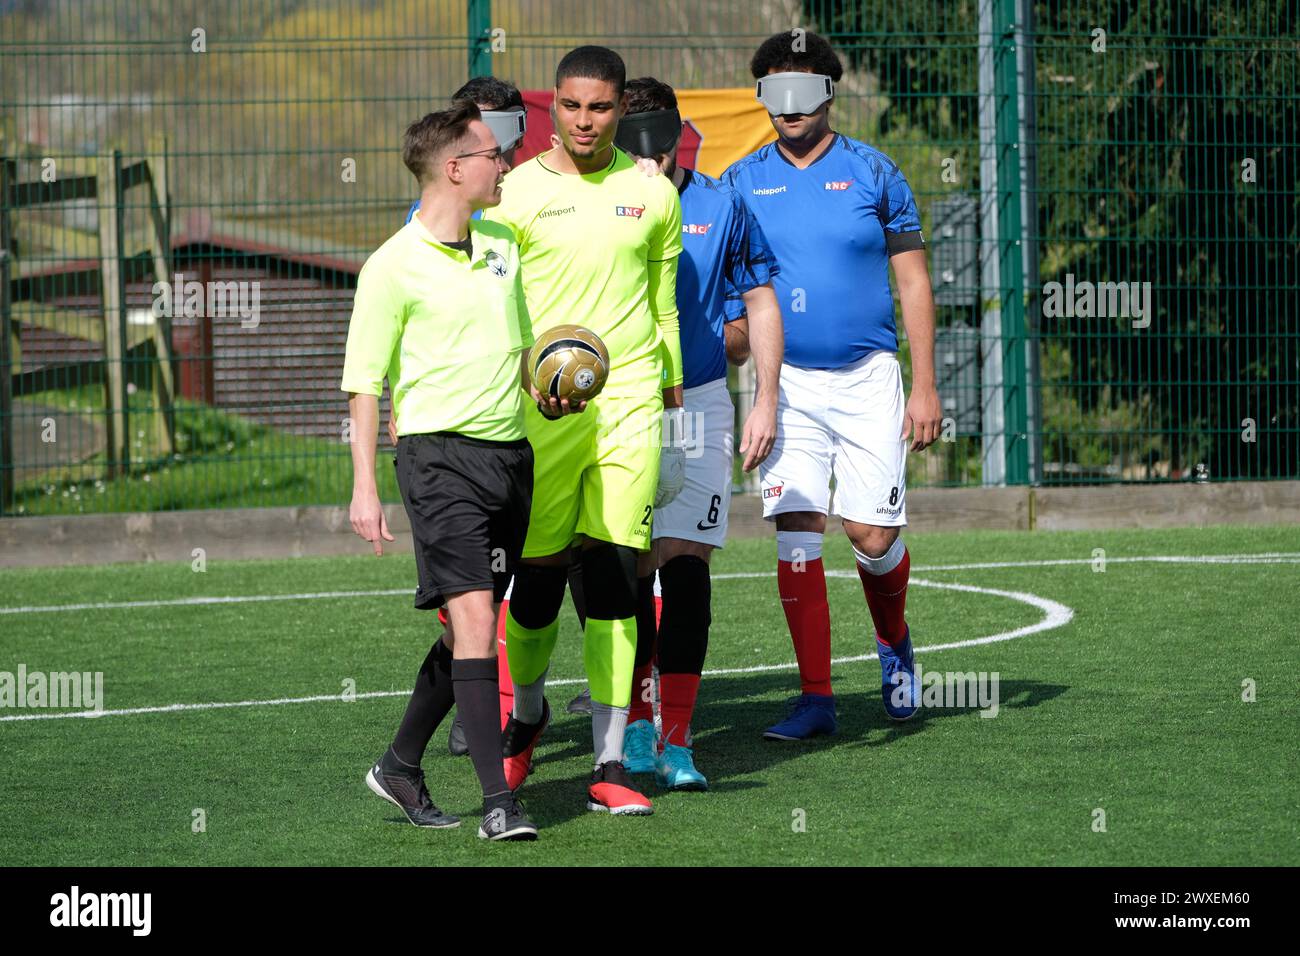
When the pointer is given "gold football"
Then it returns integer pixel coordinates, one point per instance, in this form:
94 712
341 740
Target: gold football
570 362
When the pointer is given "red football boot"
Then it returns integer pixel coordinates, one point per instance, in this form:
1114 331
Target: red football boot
611 791
517 742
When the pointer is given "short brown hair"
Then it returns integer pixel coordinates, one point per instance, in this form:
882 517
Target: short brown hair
645 94
432 136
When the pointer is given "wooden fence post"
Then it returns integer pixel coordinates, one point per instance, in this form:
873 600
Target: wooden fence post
160 249
111 294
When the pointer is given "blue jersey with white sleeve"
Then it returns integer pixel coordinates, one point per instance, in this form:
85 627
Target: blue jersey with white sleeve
724 255
833 227
415 207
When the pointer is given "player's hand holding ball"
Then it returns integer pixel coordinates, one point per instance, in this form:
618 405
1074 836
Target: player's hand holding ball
570 365
672 459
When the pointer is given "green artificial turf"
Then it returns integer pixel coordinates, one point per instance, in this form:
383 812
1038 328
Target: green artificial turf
1133 708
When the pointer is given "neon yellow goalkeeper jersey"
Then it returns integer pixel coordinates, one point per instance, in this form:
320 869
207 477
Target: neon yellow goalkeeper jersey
593 250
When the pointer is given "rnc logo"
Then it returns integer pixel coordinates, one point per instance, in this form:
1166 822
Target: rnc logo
633 211
696 228
773 492
839 186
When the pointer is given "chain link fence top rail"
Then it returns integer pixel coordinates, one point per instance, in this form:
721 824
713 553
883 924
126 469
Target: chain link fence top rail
1108 190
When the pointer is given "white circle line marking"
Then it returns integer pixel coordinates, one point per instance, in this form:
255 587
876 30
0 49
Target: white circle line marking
1280 557
1055 615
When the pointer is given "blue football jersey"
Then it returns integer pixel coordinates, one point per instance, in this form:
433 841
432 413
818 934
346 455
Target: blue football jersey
415 207
724 255
833 227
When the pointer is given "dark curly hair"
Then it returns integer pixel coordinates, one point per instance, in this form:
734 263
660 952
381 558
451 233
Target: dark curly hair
778 53
492 93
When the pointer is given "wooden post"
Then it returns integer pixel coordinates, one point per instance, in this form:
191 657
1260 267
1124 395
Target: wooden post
111 296
160 248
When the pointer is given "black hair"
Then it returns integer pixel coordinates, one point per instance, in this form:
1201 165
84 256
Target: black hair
594 63
491 93
646 94
429 137
796 51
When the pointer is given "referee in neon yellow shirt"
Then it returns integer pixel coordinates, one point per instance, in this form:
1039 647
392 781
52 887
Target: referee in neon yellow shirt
444 293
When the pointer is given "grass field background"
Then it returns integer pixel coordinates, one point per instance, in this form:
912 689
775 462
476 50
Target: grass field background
1134 707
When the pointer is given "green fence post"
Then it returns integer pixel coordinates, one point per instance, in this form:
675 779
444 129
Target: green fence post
8 474
480 37
1010 238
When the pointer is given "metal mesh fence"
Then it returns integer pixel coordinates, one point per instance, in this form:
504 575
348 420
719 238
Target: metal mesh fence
1108 190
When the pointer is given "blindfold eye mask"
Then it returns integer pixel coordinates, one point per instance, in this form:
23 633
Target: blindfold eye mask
649 134
507 126
784 94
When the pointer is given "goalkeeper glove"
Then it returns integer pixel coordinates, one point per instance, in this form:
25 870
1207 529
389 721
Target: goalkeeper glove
672 459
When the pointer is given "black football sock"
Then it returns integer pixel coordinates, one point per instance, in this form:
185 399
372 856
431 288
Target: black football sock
576 592
642 705
430 701
646 626
480 715
684 625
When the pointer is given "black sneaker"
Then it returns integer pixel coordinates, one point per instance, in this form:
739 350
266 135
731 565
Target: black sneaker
582 703
457 746
508 822
406 791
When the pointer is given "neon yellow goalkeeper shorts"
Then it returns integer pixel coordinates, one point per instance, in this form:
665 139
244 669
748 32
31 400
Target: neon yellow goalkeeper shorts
595 473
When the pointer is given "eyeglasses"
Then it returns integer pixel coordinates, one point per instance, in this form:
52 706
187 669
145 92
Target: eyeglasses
493 154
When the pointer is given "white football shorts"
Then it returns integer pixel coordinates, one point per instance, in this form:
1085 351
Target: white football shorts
699 513
844 423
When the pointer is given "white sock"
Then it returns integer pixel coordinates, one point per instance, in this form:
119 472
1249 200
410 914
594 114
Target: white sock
608 725
798 545
528 699
886 562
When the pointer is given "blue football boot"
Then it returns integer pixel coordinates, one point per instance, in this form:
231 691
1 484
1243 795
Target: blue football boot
810 715
675 769
899 687
639 747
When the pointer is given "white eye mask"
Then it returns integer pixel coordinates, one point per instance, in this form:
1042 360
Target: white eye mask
785 94
506 125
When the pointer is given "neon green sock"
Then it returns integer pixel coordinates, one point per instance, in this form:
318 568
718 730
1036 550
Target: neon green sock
609 652
528 650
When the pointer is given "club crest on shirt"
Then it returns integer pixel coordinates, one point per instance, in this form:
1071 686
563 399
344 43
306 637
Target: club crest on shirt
839 185
496 263
633 211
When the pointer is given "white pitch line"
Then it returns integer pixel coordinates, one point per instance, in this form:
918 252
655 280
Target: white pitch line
198 601
1279 557
1055 615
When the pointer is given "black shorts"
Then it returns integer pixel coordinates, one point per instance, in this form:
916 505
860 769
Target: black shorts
468 501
